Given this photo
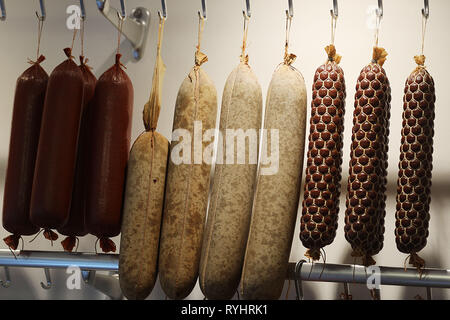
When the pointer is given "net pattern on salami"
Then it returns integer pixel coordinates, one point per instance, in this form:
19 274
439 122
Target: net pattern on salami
414 176
365 203
320 206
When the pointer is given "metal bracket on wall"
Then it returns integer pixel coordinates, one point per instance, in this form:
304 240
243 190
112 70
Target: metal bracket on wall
135 27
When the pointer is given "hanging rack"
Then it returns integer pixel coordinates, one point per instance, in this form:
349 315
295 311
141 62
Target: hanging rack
335 11
43 12
135 27
202 15
247 12
426 9
3 10
290 11
164 10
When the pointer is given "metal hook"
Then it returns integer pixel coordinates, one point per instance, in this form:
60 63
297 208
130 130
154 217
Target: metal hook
7 282
83 10
43 14
429 294
298 279
247 12
48 279
426 9
164 10
123 12
335 11
380 9
3 10
290 11
202 15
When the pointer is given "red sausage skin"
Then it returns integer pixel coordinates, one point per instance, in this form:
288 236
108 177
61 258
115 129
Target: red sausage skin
109 146
75 226
55 163
25 128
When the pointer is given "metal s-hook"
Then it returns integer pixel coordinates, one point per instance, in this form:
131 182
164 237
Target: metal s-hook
3 11
164 10
123 12
202 15
290 11
298 279
83 10
43 14
247 12
380 9
335 11
48 279
426 9
7 282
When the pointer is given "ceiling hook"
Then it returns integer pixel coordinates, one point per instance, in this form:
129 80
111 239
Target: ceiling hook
380 9
290 11
426 9
43 14
247 12
164 10
202 15
83 10
3 10
335 11
48 279
298 279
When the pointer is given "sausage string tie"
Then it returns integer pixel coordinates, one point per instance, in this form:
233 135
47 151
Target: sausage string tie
244 57
39 57
289 58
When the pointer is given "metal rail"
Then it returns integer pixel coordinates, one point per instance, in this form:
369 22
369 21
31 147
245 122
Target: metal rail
58 260
342 273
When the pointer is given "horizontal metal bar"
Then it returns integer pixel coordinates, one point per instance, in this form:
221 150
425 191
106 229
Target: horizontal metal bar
58 260
344 273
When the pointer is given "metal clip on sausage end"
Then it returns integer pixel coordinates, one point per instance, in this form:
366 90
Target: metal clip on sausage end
135 27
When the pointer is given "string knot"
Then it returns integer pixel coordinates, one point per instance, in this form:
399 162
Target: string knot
313 254
289 58
379 55
68 52
332 55
12 241
107 245
69 243
420 60
118 63
200 58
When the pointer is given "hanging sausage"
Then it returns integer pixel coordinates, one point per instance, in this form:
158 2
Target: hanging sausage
109 144
55 162
416 152
231 199
188 181
278 183
320 207
366 198
75 227
25 129
144 196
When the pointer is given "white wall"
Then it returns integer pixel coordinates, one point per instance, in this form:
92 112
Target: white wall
400 35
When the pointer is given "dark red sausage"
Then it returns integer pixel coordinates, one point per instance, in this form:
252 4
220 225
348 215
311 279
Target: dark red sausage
75 226
109 146
26 124
55 163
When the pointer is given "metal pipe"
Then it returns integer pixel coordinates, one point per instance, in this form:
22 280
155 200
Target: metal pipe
59 260
343 273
